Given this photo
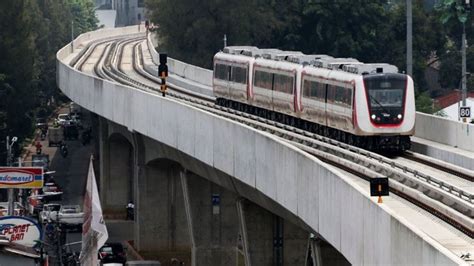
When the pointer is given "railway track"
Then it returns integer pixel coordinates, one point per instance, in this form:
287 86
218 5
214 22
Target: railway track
448 202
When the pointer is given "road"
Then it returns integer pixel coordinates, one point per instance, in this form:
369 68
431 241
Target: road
71 176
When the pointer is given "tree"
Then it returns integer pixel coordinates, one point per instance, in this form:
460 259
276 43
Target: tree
199 33
32 31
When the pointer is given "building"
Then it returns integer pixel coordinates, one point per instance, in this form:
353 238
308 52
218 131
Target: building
450 103
129 12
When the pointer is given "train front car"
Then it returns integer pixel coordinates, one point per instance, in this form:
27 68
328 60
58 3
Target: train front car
386 111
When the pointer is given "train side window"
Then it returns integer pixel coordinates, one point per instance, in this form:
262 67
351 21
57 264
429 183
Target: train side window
239 75
314 90
331 93
283 83
306 88
320 91
263 79
221 71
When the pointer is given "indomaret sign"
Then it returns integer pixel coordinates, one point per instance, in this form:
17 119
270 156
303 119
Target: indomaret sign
21 177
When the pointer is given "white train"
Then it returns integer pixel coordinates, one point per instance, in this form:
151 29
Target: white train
367 105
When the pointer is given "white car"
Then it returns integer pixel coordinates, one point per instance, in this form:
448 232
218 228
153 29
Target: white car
71 215
76 120
63 119
49 212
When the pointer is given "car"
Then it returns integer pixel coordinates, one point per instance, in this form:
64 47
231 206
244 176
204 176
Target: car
18 210
71 216
112 253
49 212
51 192
42 123
76 120
63 119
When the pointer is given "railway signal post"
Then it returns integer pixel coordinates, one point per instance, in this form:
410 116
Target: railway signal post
163 73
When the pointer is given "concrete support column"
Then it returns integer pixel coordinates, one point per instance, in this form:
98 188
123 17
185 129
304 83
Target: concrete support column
161 230
215 223
272 240
104 158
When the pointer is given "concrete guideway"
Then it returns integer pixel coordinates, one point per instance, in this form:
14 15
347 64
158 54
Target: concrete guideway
174 124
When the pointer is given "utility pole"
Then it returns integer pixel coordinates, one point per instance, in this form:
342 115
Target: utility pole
72 36
464 72
409 39
11 195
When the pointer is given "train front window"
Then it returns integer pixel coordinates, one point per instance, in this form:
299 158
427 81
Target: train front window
385 95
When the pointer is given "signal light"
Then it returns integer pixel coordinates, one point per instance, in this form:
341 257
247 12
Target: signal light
163 72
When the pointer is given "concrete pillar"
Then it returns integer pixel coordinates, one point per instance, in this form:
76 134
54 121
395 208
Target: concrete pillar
321 253
161 230
215 223
120 182
104 159
272 240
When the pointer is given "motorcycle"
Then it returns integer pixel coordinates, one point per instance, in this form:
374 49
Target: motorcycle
43 134
63 150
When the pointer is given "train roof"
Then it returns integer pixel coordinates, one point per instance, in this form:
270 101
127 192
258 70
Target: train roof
350 65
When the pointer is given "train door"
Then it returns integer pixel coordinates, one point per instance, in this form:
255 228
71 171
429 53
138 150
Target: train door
222 72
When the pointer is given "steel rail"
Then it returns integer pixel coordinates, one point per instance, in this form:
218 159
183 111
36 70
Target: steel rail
452 215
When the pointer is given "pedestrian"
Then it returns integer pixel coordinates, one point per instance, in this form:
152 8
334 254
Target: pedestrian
130 210
38 147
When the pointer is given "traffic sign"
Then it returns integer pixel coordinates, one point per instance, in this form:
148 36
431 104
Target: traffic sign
465 112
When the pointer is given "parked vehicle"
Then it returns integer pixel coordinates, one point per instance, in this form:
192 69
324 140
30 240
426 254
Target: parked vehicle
49 212
71 216
55 136
67 215
41 123
76 120
40 160
112 253
18 210
63 119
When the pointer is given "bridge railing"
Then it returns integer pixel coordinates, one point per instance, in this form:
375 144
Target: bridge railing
184 70
323 198
445 131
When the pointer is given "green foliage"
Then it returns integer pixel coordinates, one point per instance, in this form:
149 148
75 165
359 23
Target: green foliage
425 104
452 9
372 32
32 31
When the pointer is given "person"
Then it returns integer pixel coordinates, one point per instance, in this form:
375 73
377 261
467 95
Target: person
63 149
43 133
130 210
38 147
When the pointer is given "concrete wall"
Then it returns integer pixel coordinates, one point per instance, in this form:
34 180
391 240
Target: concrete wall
321 197
187 71
446 131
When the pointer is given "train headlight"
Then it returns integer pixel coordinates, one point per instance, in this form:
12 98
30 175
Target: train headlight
373 117
399 116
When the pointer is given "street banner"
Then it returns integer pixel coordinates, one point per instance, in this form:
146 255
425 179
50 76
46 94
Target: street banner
21 177
20 230
94 231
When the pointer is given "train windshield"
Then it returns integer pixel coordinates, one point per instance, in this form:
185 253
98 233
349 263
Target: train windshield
385 91
386 95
